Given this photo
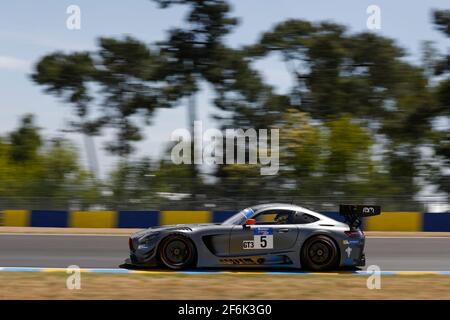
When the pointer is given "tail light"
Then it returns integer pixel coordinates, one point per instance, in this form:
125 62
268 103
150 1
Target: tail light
353 233
130 244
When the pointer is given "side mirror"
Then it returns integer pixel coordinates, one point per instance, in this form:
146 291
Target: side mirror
250 222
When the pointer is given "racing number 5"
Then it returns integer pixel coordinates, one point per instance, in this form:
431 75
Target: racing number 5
263 241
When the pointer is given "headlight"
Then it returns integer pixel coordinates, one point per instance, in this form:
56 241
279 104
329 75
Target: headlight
148 237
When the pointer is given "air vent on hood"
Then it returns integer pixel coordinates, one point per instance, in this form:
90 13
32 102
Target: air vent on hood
182 228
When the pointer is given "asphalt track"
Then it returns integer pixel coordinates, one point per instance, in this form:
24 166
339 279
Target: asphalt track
107 251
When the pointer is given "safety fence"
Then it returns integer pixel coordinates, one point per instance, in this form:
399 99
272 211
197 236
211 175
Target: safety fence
387 221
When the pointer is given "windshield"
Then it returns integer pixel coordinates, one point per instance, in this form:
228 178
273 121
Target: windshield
240 217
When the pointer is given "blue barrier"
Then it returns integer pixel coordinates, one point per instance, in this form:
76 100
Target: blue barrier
436 221
49 218
137 219
333 215
221 216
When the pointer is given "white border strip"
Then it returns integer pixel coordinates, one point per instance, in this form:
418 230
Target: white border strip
199 272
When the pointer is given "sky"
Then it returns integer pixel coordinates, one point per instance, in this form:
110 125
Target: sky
31 29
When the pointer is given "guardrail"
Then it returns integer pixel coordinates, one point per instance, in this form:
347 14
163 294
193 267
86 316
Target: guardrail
387 221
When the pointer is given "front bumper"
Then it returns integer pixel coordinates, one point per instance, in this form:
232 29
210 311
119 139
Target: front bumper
136 261
143 248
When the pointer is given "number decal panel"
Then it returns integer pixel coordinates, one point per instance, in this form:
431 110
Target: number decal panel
262 239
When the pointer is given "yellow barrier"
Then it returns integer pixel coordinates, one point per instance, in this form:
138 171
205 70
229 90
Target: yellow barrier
180 217
93 219
16 218
268 217
395 221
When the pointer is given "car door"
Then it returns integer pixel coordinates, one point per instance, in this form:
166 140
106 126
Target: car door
267 235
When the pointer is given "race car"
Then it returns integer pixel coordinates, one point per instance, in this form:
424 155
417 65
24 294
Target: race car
262 236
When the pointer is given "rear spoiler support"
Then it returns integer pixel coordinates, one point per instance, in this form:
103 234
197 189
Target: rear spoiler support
353 213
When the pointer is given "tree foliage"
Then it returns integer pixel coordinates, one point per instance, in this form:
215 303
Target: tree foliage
355 121
442 111
40 173
107 87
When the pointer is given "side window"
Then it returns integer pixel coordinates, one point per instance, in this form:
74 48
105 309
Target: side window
304 218
275 217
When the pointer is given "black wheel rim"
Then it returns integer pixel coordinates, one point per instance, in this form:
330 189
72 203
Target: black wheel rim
320 253
177 252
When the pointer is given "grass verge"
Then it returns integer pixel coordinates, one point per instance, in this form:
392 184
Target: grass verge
17 285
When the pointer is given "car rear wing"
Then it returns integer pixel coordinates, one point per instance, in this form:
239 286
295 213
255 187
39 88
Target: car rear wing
353 213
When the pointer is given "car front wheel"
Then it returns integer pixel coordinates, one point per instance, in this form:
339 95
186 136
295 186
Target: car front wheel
177 252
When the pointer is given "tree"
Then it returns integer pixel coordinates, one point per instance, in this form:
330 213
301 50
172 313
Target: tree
144 183
442 111
196 53
331 158
302 145
134 79
361 75
61 180
25 141
107 87
36 172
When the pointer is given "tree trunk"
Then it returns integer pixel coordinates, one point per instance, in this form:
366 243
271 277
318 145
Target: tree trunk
91 155
192 115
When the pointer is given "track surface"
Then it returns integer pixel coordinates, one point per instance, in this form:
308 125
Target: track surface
91 251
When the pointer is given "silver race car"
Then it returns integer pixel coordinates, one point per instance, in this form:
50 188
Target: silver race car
270 235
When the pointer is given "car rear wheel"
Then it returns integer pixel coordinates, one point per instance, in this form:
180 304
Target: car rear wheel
319 253
177 252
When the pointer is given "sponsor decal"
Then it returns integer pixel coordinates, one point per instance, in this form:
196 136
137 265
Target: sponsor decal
248 244
238 261
348 261
369 210
351 242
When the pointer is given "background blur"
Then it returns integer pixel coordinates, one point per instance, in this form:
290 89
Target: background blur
87 114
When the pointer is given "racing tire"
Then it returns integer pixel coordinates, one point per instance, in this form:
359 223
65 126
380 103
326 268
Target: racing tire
177 252
319 253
